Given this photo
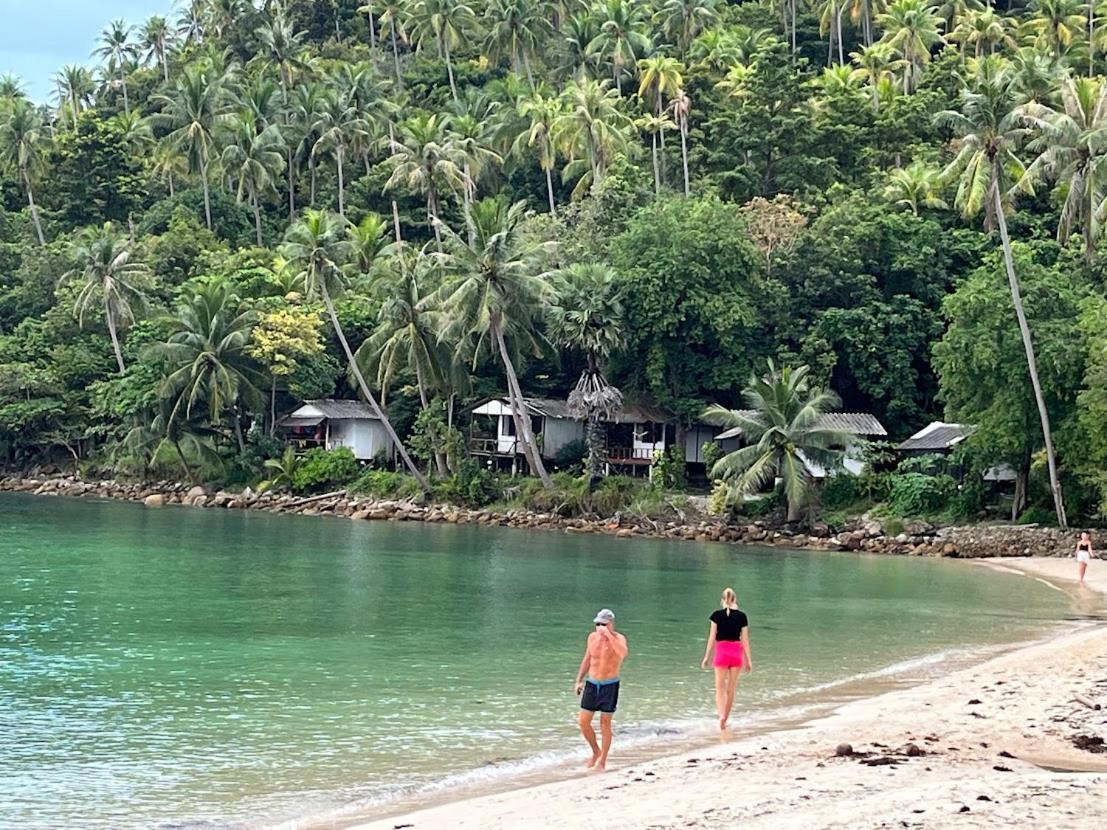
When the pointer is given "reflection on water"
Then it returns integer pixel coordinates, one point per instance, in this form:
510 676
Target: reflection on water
182 667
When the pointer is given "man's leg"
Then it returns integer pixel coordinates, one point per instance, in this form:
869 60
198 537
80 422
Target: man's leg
589 734
605 733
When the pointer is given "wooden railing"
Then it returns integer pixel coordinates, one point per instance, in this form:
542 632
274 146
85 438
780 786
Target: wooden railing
630 455
492 446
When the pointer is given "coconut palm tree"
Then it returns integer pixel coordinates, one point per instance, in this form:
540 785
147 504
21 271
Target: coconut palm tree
110 277
340 127
1056 24
425 159
655 126
117 48
302 130
784 437
862 13
75 88
11 87
515 30
874 64
983 32
911 28
209 368
577 32
367 240
472 136
622 37
913 186
392 21
192 113
681 107
255 159
952 12
683 20
496 296
190 22
659 76
591 131
588 318
155 38
445 23
831 13
1069 150
23 139
406 336
317 245
540 110
989 127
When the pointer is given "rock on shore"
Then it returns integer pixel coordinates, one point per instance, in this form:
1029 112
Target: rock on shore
867 535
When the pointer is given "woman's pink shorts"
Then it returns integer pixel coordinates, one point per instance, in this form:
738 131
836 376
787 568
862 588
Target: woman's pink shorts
729 654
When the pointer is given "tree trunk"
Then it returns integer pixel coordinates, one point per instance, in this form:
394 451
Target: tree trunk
439 456
1022 479
184 463
238 437
795 511
372 28
518 410
684 154
432 214
207 195
109 318
656 172
257 217
593 434
841 47
449 68
123 81
273 407
341 195
467 196
550 190
1031 361
396 220
34 207
291 189
395 54
364 387
311 167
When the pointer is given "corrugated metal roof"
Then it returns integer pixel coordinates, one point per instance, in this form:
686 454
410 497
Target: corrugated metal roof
337 410
558 408
857 423
935 436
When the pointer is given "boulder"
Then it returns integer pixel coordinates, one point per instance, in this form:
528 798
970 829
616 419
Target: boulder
196 492
154 500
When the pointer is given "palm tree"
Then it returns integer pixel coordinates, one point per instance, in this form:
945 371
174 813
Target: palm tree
659 76
1056 24
515 31
11 87
577 33
988 128
155 38
392 20
541 111
472 138
192 114
831 13
496 298
368 240
339 126
110 277
983 32
589 318
1069 148
784 434
911 29
874 64
622 38
117 48
190 22
683 20
209 368
75 88
915 185
407 332
424 159
23 139
591 130
446 23
256 159
307 104
863 12
654 126
953 11
316 244
681 107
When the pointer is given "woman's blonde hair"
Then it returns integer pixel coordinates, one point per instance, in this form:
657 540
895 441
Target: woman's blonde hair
730 599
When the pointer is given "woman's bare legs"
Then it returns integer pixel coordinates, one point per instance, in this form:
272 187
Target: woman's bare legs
731 688
1082 567
721 695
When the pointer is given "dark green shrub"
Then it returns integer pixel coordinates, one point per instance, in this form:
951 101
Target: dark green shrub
324 468
1037 515
472 485
570 455
615 493
840 491
384 484
915 494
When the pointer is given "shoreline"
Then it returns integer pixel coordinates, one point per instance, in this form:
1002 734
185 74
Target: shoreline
864 536
994 736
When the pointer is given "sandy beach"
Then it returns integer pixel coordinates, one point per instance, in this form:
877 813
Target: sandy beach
1003 743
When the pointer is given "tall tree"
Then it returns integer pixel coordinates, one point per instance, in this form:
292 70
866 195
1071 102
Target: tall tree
911 28
317 244
591 130
155 38
446 24
516 30
110 276
255 159
683 20
426 159
783 434
588 317
117 47
540 111
339 126
659 76
989 128
622 37
75 88
192 113
495 296
23 139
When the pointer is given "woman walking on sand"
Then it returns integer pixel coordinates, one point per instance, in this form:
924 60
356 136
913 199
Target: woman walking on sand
729 636
1084 554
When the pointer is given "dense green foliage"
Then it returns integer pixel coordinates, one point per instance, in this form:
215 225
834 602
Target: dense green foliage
194 233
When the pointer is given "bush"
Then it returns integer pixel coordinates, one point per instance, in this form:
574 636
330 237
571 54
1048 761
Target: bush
385 484
915 494
472 485
570 455
840 491
1037 515
323 468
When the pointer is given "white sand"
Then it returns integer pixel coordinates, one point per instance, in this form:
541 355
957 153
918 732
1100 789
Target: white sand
968 724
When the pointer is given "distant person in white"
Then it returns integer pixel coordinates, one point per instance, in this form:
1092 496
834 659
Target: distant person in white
1084 554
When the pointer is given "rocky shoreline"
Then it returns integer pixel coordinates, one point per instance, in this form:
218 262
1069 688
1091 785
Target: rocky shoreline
867 535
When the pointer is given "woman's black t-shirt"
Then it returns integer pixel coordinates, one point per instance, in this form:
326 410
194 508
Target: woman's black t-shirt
729 626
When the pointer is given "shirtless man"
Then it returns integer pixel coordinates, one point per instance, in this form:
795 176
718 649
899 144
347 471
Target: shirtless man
604 653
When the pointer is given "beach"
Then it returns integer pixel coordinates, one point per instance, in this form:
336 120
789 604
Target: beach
1002 743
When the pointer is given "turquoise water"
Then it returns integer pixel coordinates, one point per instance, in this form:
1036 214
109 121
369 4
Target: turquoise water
197 668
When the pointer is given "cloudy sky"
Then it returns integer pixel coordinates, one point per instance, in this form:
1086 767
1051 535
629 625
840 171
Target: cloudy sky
38 36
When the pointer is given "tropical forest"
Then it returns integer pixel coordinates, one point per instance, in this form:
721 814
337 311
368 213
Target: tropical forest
746 214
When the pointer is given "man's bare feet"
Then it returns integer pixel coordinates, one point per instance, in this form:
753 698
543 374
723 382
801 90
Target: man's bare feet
592 761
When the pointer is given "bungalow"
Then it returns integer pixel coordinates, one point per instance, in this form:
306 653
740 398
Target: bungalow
860 424
940 438
330 424
634 433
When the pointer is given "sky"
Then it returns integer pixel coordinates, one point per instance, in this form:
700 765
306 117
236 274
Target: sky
38 37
